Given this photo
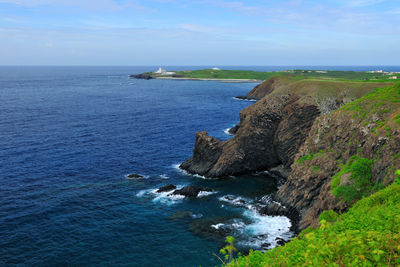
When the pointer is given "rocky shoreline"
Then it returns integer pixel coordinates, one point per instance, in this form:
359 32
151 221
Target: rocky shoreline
289 120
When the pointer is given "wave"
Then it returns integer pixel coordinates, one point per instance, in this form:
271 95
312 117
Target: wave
163 197
259 231
252 100
176 167
234 200
226 131
206 193
164 176
264 231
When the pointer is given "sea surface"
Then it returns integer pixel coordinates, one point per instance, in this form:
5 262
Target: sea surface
70 135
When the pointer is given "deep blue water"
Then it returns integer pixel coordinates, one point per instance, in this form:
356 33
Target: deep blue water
68 137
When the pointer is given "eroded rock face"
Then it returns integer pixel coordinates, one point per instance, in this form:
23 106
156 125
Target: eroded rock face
191 191
269 133
265 88
334 139
206 152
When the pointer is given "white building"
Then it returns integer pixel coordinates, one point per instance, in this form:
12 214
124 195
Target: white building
164 72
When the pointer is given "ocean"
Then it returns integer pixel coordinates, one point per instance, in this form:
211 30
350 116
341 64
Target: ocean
70 135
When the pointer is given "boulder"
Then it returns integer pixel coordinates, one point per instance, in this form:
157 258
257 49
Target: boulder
134 176
191 191
166 188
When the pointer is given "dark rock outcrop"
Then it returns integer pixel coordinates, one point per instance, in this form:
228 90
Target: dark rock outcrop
333 139
134 176
191 191
145 76
166 188
266 137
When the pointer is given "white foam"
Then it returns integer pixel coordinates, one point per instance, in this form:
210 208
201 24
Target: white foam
206 193
163 197
251 100
176 166
164 176
268 227
226 131
197 216
234 200
217 226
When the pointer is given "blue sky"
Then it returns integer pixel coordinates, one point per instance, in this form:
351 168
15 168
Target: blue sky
199 32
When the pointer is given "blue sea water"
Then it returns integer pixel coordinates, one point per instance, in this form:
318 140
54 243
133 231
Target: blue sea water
68 137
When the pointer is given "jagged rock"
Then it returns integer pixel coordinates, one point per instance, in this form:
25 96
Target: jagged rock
280 241
145 76
234 129
256 142
206 152
166 188
191 191
134 176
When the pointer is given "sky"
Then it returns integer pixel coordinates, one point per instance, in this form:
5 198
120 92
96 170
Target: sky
200 32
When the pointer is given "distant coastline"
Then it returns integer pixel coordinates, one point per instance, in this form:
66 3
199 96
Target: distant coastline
211 79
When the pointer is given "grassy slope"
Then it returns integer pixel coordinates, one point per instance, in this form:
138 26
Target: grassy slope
298 74
369 234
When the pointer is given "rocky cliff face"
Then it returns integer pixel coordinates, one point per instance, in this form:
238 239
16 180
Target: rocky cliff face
365 128
293 126
265 88
269 134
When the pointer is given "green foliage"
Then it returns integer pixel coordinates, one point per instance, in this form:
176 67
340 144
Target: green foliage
354 180
228 250
305 158
329 216
367 235
397 177
315 168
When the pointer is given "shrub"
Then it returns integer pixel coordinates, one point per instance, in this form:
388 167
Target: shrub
367 235
329 216
359 182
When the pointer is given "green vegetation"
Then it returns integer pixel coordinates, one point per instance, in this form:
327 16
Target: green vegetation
294 74
329 216
397 177
378 102
353 181
367 235
310 156
228 250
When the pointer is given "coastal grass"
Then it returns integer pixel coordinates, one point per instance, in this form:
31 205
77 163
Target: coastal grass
361 76
367 235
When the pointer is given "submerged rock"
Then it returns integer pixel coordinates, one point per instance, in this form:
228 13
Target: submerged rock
166 188
181 215
191 191
134 176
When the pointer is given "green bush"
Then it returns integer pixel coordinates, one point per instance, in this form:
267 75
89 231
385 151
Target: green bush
329 216
359 182
397 177
367 235
305 158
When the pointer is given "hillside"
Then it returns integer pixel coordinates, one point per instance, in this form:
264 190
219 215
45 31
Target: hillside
213 74
367 235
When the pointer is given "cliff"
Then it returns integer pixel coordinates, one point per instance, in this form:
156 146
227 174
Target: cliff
334 149
271 131
366 130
